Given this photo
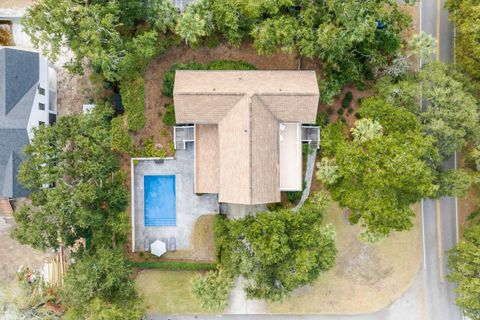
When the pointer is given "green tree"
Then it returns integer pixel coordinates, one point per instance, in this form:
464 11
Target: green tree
366 130
346 43
454 183
163 15
100 31
465 15
464 265
277 251
101 282
88 198
380 177
196 22
212 290
451 112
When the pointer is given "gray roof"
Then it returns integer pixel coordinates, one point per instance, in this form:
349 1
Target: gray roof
19 76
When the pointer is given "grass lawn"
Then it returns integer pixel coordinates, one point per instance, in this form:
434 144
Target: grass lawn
168 292
366 278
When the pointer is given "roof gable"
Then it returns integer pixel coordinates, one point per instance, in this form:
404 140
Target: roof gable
21 72
247 107
12 142
207 96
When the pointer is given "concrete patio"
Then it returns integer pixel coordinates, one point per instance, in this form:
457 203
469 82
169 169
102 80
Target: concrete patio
189 206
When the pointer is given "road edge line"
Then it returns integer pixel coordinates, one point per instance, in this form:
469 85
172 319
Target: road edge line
423 238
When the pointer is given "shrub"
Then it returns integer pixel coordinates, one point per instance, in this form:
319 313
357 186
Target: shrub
133 98
169 76
322 119
306 149
340 111
361 85
350 110
357 115
368 74
295 196
169 116
121 140
347 100
150 151
330 111
230 65
213 289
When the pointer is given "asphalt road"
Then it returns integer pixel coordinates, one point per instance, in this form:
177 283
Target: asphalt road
439 219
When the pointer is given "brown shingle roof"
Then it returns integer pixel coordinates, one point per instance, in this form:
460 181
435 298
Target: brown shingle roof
246 107
206 158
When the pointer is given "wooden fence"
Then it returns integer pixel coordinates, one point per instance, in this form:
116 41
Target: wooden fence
54 271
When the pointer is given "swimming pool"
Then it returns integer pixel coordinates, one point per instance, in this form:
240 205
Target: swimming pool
160 203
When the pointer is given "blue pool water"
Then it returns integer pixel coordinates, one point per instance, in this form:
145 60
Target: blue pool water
160 204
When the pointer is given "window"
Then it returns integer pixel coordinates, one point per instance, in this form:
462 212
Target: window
41 123
41 106
41 91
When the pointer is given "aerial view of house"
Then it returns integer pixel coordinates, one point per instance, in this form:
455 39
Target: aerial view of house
238 141
225 159
27 100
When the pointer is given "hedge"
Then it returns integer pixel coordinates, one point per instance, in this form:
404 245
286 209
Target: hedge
121 140
133 99
169 76
174 265
169 116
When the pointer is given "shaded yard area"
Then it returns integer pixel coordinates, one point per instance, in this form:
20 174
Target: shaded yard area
366 277
168 292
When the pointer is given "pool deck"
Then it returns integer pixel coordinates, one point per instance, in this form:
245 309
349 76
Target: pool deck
189 205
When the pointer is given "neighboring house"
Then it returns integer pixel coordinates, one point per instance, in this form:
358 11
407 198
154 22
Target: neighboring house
247 128
28 99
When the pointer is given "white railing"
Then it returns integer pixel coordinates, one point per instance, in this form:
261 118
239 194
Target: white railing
183 134
311 135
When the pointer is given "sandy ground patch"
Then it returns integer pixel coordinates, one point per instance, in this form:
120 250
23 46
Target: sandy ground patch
13 254
366 278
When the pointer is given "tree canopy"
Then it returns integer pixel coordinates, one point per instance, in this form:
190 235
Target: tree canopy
464 265
348 36
381 169
99 285
107 33
277 251
451 111
465 15
77 188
